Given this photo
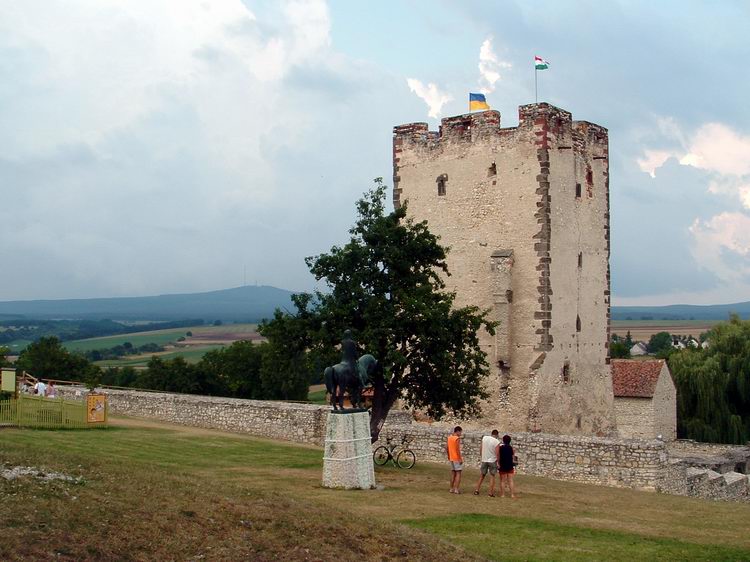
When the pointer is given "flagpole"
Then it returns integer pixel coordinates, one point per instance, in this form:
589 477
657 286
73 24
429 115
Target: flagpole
536 94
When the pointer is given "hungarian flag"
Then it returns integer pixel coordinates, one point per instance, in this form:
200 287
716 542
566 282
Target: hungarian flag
540 63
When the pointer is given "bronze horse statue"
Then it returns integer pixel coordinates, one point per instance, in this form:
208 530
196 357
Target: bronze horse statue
340 378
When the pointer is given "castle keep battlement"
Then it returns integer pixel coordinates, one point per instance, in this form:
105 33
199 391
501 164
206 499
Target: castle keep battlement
552 125
525 213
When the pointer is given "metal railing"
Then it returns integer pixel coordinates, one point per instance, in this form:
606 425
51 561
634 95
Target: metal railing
47 413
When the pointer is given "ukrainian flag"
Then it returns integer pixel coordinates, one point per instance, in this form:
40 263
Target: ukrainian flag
477 101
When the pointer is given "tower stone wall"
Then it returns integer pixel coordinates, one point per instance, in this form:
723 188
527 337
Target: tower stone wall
525 214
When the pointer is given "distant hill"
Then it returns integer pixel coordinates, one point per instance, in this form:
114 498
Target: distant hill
681 312
247 304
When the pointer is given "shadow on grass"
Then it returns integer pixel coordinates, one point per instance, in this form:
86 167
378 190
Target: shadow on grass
514 538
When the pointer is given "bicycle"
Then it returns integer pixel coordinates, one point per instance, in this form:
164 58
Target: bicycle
404 459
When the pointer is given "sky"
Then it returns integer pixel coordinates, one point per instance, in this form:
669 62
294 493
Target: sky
173 146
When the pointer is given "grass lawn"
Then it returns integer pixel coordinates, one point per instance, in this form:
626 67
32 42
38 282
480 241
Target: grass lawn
16 346
317 396
159 492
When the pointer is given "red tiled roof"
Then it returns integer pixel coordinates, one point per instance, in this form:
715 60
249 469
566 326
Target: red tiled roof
635 379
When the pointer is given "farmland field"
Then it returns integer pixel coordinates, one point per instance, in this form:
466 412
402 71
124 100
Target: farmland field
642 330
204 339
189 354
202 335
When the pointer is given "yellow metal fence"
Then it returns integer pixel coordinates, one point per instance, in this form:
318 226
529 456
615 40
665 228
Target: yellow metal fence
48 413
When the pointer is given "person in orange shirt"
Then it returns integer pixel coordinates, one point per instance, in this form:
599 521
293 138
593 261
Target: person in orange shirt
453 449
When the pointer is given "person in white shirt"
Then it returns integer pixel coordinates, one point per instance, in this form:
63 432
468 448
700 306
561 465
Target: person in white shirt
488 451
40 389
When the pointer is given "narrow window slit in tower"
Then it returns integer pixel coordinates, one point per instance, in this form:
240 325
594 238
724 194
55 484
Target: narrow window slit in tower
492 170
580 260
441 181
578 191
578 323
566 373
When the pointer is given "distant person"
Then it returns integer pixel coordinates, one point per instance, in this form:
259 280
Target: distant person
40 389
453 448
488 453
51 390
506 460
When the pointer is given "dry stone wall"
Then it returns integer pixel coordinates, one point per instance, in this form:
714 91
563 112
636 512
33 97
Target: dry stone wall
631 463
609 462
286 421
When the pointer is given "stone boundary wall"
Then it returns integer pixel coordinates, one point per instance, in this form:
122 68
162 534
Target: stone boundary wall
624 463
621 463
638 464
286 421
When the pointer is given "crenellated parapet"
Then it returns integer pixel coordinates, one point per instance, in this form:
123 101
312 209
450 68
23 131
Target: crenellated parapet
551 126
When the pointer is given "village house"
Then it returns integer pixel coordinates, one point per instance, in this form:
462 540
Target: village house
639 348
645 399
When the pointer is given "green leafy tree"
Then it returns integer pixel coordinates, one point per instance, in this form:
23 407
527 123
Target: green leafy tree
713 385
290 357
4 352
628 341
119 376
236 369
46 358
171 375
386 285
660 342
618 349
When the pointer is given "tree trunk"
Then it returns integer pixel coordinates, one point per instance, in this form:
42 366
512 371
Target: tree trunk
383 401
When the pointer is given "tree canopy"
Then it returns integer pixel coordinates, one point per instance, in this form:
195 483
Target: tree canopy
47 358
386 285
660 342
713 385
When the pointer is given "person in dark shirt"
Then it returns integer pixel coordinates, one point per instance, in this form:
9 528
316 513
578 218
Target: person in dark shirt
506 461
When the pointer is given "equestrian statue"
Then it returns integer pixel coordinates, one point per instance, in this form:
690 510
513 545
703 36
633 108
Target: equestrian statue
351 375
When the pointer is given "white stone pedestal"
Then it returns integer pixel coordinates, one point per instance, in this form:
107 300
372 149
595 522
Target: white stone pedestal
347 460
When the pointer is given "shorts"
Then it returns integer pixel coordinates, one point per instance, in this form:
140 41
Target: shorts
488 466
457 465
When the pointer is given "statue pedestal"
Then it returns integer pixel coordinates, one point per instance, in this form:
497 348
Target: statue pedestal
347 459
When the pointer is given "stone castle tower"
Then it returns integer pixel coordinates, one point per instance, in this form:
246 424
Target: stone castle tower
525 213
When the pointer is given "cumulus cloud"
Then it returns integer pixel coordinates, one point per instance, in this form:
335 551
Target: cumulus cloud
717 148
719 231
431 95
490 67
722 244
714 148
147 144
652 160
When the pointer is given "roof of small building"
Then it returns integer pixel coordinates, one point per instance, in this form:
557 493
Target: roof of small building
635 379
